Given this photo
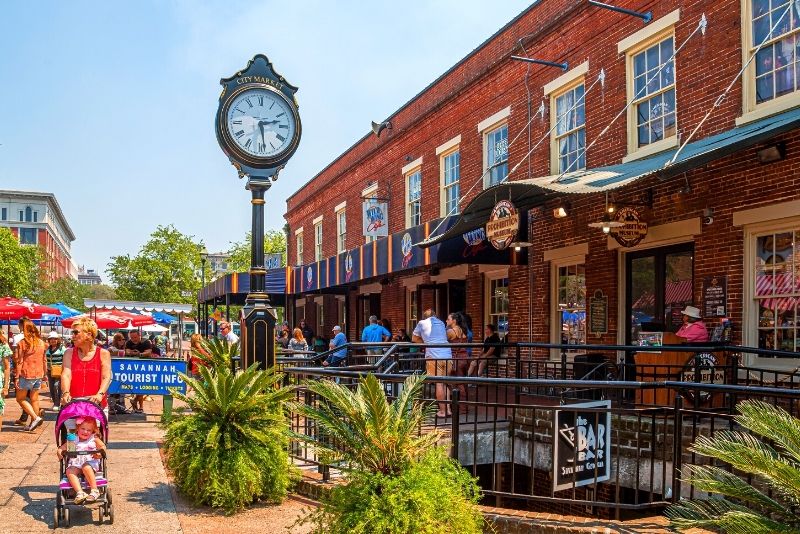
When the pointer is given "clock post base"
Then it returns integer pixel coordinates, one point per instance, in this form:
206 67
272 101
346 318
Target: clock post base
257 344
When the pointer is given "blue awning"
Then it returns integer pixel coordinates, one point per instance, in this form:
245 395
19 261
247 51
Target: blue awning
527 194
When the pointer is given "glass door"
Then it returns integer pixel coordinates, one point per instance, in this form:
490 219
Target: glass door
660 283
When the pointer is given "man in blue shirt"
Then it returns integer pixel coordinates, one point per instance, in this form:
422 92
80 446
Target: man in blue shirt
375 333
338 357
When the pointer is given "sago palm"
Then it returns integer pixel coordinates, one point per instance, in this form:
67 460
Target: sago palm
743 507
232 448
216 353
361 430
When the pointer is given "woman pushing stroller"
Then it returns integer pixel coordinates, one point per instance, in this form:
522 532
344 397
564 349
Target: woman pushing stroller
84 464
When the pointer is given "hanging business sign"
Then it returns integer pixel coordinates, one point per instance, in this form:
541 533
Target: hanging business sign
634 229
272 260
501 229
582 445
375 218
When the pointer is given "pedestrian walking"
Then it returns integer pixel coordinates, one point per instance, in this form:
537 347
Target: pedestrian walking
55 361
5 373
30 368
87 367
136 347
457 334
431 330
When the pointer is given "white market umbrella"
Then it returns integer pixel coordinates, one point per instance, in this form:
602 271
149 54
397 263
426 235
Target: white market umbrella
154 328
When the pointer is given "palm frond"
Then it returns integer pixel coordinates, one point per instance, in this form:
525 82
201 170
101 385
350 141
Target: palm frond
773 423
712 479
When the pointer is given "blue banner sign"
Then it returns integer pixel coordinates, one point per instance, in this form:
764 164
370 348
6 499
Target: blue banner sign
146 376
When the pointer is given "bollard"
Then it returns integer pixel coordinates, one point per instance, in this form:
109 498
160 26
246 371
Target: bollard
166 412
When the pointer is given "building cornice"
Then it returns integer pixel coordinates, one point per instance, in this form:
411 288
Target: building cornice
50 198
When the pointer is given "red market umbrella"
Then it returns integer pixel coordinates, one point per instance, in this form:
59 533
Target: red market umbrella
12 309
113 319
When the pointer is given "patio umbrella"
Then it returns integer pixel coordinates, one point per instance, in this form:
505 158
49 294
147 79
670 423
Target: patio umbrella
113 319
154 328
163 318
13 309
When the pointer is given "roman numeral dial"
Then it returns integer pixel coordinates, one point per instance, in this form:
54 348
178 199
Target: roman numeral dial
260 122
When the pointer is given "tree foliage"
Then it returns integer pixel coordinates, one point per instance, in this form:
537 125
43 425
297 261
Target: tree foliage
101 291
66 290
769 455
166 269
239 260
19 266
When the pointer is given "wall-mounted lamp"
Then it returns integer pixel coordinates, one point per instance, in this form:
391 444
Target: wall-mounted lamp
605 223
775 152
562 210
519 245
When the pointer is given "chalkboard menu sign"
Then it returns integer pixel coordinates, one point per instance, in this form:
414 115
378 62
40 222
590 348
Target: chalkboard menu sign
715 296
598 313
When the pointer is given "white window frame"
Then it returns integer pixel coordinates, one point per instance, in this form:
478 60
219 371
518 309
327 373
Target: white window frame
318 239
341 229
562 257
408 171
555 89
444 187
411 322
654 33
488 278
750 315
752 111
298 237
485 127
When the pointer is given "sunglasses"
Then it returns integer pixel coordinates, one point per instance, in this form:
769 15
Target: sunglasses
76 332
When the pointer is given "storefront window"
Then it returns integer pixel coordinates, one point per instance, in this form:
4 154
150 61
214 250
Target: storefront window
777 290
572 304
498 305
411 312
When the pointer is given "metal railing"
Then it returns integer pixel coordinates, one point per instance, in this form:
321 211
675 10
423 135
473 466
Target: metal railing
503 430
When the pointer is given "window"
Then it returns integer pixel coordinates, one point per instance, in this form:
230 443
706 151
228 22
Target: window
4 214
497 305
320 317
21 215
451 176
411 310
654 94
571 304
27 236
299 247
341 231
35 216
496 155
570 132
318 241
28 214
414 198
771 79
777 289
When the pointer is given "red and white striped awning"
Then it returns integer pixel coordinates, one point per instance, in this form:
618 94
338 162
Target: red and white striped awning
773 284
679 292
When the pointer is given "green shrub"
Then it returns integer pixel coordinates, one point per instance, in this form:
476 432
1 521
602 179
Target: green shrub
216 353
232 449
398 480
767 501
434 495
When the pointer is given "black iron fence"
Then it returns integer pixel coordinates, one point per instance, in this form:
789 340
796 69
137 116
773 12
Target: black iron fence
506 426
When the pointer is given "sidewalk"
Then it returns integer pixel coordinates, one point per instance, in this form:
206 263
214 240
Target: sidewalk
144 501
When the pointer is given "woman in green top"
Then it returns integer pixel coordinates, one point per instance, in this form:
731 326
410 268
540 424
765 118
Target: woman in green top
5 372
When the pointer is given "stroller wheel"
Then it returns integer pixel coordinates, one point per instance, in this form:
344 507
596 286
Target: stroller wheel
110 514
101 512
55 517
65 517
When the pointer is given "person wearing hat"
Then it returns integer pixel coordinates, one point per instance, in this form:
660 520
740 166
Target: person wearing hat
55 360
694 329
339 339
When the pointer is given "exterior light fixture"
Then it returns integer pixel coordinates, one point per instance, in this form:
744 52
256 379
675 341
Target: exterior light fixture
772 153
562 210
519 245
606 224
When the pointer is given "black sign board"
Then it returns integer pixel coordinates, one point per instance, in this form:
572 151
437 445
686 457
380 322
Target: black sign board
598 313
582 445
715 296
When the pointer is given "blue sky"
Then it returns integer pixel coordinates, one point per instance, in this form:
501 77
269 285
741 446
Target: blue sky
110 105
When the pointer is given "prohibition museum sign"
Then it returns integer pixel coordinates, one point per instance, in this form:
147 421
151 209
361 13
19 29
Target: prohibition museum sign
258 127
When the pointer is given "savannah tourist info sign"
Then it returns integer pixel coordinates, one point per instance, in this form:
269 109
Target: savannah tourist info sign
146 376
582 445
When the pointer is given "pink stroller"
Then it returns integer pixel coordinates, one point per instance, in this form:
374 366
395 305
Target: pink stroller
65 496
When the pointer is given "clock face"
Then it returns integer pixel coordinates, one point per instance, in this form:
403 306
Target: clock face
261 123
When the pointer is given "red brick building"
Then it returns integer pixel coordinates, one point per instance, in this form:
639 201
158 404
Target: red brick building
36 219
709 218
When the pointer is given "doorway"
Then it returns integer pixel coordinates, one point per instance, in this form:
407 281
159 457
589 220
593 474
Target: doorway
659 284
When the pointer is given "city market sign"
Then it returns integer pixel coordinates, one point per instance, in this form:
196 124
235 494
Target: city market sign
503 225
634 229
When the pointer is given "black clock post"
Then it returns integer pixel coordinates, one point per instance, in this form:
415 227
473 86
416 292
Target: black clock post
258 128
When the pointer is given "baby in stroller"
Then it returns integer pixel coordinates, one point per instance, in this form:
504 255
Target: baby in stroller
86 464
81 437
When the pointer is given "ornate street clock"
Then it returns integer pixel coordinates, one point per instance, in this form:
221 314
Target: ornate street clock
258 128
